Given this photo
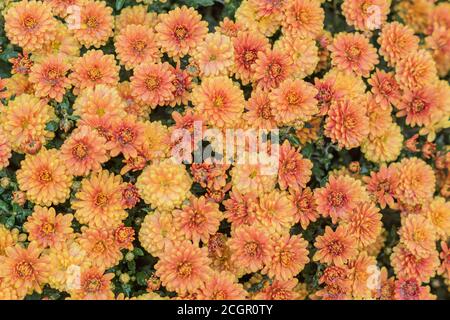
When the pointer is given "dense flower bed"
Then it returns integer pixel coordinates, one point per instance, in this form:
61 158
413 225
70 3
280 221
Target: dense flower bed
97 97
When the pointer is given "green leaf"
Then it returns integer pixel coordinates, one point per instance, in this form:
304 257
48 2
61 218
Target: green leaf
131 265
141 278
52 126
4 206
119 4
138 252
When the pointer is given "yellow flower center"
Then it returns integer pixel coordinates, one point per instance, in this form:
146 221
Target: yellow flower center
353 53
47 228
30 23
126 136
24 269
251 248
101 199
302 16
79 151
336 199
99 247
95 74
197 218
45 176
92 22
152 82
184 269
249 57
93 285
218 102
53 74
265 112
275 69
349 123
417 105
219 295
180 32
293 98
335 247
286 258
139 46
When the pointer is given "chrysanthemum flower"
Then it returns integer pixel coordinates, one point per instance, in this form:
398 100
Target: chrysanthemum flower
5 150
240 208
183 268
164 185
26 270
49 77
48 229
94 285
222 286
24 122
198 219
407 265
250 248
247 15
418 235
294 100
384 88
229 27
157 232
96 24
410 289
327 93
360 14
294 171
98 203
444 269
8 238
268 8
380 120
385 147
136 44
275 212
360 272
347 123
215 55
152 84
130 196
92 69
260 110
61 7
64 44
271 68
132 106
219 100
345 84
137 15
381 185
397 41
416 70
305 205
30 24
303 17
44 178
252 178
17 85
180 30
339 196
421 106
289 257
415 14
364 223
127 136
124 237
303 53
416 181
99 101
335 275
155 140
84 151
439 215
247 45
309 131
352 52
439 42
279 290
335 247
182 87
100 247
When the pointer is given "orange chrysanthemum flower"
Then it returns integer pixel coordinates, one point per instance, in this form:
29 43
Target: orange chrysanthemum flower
385 89
128 135
137 15
96 24
136 44
303 17
229 27
198 219
222 286
410 289
364 223
339 196
61 7
183 268
180 31
98 203
439 215
84 151
294 171
48 229
63 44
408 265
260 111
306 206
416 14
164 185
289 257
360 271
380 120
360 14
215 55
416 181
49 77
92 69
279 290
250 248
247 15
335 247
247 46
24 123
418 235
100 247
132 106
271 68
347 123
381 185
219 100
416 70
293 101
94 285
30 25
26 270
385 147
396 42
152 84
275 212
5 150
253 177
44 178
241 208
352 52
182 87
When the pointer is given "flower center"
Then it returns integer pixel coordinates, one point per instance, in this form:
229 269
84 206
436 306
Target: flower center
79 151
285 258
417 105
99 247
94 74
181 32
249 57
101 199
92 22
139 46
349 123
251 248
218 102
292 98
53 74
219 295
275 69
353 53
47 228
152 82
93 285
335 247
336 199
197 219
126 136
30 23
45 176
265 111
184 269
409 289
24 269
